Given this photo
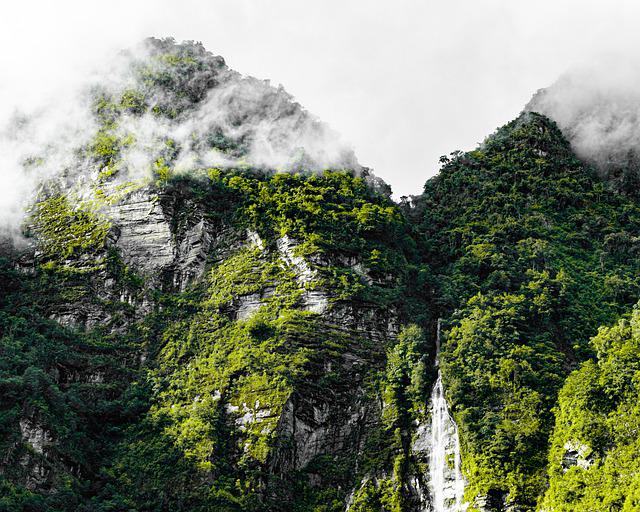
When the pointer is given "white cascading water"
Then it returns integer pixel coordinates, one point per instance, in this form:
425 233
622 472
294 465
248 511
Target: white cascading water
446 480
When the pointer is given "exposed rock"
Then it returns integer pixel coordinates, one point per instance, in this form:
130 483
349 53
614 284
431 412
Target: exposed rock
35 436
191 254
254 239
304 273
247 305
368 320
38 440
151 244
576 454
250 415
315 301
496 501
143 233
37 474
316 428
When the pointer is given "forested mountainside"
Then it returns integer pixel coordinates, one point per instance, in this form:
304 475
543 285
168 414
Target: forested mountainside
531 253
212 306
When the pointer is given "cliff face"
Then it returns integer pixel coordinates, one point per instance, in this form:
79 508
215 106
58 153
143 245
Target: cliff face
257 332
211 334
199 338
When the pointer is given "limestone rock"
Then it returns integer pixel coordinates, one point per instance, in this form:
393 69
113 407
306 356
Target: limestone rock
576 454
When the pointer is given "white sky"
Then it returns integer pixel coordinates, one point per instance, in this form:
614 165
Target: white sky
404 81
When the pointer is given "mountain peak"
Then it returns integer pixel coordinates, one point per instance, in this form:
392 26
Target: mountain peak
598 111
164 108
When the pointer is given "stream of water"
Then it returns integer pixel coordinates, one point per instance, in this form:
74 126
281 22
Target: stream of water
446 480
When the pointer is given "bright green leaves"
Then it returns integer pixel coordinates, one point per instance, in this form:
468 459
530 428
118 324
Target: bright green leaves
501 375
404 388
533 253
133 101
595 455
106 150
161 171
406 373
218 369
65 230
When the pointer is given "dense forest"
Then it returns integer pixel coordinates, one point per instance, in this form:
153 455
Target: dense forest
219 334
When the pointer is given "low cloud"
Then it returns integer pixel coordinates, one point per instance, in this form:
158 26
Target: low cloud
194 105
598 110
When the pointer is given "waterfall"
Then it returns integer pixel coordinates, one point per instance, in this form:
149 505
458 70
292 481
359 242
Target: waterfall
446 480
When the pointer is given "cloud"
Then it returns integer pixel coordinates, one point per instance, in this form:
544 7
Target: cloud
158 103
39 145
598 110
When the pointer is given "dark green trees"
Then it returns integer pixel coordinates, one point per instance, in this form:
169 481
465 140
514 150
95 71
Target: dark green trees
533 252
595 452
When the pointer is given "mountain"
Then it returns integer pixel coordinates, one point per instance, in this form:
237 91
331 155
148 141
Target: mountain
597 112
213 306
532 251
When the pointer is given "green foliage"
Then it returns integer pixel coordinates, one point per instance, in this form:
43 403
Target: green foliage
65 230
502 374
161 170
376 496
151 399
520 248
406 372
532 252
595 456
69 387
404 392
220 382
133 101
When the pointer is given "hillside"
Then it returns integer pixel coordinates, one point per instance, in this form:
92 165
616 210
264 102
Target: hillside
214 306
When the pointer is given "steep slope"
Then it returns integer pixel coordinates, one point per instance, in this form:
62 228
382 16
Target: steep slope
209 338
595 454
533 252
213 306
254 377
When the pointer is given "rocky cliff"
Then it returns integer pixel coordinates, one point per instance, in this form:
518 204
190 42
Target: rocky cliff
256 344
214 306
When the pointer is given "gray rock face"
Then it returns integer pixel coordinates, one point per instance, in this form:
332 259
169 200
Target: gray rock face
38 440
246 305
314 300
496 502
35 436
576 454
287 248
374 323
147 239
90 311
149 243
143 234
312 425
420 449
172 247
191 254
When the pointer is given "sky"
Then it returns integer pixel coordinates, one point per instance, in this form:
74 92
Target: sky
403 81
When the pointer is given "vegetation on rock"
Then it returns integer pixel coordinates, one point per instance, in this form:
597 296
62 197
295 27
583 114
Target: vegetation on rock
204 337
532 254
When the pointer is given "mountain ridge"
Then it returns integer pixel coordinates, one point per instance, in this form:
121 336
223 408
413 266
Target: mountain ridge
230 337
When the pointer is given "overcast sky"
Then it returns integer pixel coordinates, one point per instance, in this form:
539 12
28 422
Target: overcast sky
403 81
